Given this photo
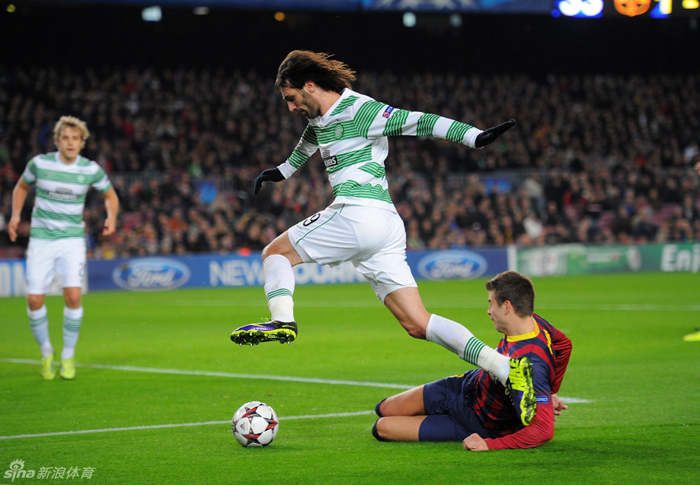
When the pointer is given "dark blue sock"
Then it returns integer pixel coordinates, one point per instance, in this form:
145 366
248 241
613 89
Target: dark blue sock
376 408
375 433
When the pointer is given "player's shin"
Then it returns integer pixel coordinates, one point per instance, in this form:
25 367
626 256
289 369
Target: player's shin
279 287
72 320
39 323
458 339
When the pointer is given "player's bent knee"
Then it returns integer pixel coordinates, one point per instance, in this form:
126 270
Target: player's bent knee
35 301
375 431
378 408
267 251
72 298
73 302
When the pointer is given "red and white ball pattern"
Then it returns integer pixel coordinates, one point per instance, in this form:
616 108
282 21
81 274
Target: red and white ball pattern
255 424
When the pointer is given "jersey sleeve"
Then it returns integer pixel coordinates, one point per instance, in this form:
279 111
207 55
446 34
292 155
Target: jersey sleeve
537 433
390 121
101 181
561 345
541 429
30 173
307 146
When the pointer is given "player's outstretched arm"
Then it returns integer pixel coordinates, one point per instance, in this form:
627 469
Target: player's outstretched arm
489 135
269 175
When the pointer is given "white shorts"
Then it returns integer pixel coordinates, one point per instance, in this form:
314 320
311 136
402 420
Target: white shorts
373 239
46 257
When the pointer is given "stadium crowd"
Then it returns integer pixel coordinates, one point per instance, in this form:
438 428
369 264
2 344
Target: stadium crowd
594 159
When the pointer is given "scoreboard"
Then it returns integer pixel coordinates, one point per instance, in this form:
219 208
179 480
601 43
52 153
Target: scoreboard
657 9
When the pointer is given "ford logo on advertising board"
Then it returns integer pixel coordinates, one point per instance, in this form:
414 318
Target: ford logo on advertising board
447 265
151 274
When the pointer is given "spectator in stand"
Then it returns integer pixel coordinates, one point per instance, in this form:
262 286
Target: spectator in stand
152 126
622 227
534 190
644 228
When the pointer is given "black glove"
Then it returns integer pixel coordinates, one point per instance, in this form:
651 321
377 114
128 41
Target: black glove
490 135
269 175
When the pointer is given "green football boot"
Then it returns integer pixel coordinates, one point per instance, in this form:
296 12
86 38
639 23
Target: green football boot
520 389
255 333
47 370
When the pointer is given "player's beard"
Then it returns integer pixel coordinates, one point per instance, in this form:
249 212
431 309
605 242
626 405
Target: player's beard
311 115
310 109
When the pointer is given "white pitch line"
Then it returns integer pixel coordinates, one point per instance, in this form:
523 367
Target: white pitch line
225 374
307 380
574 400
219 374
180 425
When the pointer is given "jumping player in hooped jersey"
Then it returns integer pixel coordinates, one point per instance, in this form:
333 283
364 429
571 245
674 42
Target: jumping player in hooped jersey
362 225
57 237
473 407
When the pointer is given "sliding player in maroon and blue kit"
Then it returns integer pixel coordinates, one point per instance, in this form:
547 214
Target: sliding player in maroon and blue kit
474 408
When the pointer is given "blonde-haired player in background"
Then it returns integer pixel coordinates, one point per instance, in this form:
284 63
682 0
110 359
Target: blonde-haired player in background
57 237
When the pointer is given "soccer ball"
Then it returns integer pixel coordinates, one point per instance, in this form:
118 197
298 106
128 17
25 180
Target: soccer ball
255 424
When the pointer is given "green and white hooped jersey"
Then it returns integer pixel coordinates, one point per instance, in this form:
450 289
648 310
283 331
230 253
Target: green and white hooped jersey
352 138
60 194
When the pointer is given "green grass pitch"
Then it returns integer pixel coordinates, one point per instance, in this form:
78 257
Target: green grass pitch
165 359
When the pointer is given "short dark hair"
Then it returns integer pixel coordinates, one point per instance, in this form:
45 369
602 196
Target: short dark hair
302 66
516 288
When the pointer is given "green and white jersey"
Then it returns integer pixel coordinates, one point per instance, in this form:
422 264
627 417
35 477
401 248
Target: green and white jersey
352 138
60 194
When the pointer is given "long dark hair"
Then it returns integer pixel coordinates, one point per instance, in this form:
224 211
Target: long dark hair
302 66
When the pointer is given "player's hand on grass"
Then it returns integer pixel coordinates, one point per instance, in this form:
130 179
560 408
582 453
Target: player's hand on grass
474 442
558 406
489 135
269 175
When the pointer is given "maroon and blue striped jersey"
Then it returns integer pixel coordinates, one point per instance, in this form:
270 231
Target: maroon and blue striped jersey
548 349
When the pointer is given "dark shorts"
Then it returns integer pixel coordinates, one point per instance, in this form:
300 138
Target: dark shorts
451 415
